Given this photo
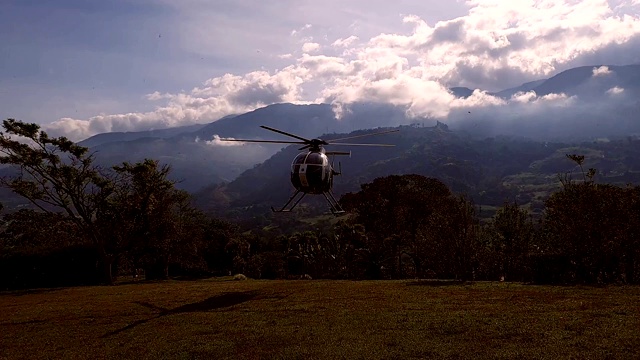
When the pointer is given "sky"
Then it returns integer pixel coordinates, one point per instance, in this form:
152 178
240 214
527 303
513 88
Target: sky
80 68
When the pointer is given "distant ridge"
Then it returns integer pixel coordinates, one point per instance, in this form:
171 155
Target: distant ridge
104 138
461 92
508 93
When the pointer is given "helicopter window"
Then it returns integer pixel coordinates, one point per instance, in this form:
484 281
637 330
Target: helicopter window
315 159
299 159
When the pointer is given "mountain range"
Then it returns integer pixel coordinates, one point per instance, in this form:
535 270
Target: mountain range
607 106
583 81
490 171
199 160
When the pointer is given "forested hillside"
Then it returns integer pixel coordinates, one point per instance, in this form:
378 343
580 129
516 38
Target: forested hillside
488 170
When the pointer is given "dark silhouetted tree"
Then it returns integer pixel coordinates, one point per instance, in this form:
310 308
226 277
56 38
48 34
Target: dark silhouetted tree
511 233
460 223
44 249
595 226
153 220
57 175
416 216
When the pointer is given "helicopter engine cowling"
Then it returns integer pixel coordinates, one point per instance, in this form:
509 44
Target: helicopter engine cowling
311 172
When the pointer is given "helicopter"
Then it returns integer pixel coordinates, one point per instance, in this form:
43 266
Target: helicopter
311 170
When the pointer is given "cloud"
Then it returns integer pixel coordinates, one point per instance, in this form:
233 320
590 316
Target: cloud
524 97
297 31
346 42
310 47
217 97
615 90
496 45
601 71
550 117
218 141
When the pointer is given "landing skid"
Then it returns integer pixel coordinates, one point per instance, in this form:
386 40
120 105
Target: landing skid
284 208
336 209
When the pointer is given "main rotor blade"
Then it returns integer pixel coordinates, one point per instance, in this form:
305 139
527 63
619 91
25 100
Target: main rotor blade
285 133
337 153
349 144
359 136
266 141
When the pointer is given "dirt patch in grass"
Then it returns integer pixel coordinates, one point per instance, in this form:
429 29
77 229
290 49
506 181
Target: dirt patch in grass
321 319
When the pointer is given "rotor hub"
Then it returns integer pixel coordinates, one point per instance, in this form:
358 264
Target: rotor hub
316 144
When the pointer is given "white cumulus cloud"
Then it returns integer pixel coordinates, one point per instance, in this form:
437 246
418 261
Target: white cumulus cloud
601 71
615 90
345 42
497 44
310 47
218 141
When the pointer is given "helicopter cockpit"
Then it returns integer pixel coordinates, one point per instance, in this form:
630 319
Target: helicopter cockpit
311 172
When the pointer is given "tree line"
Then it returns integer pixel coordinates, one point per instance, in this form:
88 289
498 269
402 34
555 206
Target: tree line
93 224
411 226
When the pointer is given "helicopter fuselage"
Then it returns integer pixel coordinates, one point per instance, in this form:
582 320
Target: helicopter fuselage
311 172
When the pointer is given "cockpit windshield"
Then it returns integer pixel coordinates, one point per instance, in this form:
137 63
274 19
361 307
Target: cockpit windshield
299 159
309 158
316 159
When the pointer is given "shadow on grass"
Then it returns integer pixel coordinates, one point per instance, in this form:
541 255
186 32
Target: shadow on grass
23 292
129 280
213 303
436 282
28 322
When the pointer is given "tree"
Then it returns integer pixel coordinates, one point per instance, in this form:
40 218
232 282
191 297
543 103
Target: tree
352 241
460 225
217 235
32 231
153 219
596 227
44 249
402 215
57 175
512 230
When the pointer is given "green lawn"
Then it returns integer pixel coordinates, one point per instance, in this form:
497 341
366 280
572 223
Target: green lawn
216 319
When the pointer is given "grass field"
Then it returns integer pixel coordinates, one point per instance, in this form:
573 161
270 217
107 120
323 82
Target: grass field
217 319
